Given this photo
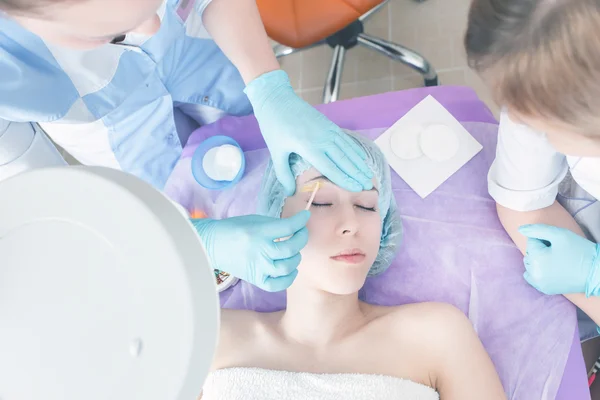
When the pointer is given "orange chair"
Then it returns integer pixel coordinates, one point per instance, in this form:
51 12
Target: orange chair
301 24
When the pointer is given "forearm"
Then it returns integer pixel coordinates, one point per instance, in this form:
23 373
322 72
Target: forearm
554 215
236 27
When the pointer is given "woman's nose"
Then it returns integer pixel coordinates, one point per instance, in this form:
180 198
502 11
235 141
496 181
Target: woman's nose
149 27
348 224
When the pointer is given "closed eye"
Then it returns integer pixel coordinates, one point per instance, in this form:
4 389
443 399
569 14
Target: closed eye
321 204
372 209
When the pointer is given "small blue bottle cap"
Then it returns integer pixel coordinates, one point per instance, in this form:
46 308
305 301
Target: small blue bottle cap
198 170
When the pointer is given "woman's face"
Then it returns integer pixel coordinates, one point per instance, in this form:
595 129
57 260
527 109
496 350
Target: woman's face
344 234
86 24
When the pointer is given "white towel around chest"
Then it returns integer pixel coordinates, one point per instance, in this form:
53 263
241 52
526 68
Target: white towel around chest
264 384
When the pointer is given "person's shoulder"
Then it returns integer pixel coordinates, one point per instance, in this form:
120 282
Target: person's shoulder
239 331
438 340
17 43
425 311
429 320
421 332
431 329
235 321
33 86
441 328
512 131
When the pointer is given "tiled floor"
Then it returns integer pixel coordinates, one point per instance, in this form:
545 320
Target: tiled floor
434 28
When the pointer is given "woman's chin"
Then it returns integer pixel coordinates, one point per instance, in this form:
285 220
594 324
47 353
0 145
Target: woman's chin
335 277
343 285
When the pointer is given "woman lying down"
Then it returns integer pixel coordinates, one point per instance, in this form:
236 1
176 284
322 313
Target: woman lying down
328 344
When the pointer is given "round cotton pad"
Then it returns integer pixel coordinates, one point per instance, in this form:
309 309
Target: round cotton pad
222 163
201 176
405 142
439 143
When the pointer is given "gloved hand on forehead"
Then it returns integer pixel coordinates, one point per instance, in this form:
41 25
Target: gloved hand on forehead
290 125
245 247
558 261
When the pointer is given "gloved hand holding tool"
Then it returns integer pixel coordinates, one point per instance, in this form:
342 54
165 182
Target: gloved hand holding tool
245 247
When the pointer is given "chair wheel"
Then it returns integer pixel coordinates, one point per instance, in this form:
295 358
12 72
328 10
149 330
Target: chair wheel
432 82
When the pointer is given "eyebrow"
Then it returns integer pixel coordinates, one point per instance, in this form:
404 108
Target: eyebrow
324 178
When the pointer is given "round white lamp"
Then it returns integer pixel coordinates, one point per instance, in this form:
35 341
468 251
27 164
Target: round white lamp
105 290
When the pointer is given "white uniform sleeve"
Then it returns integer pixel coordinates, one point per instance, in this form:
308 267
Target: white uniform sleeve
201 5
23 146
527 170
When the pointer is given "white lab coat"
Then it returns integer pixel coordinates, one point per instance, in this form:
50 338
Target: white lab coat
527 171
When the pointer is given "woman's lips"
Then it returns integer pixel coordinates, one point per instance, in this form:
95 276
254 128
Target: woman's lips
350 256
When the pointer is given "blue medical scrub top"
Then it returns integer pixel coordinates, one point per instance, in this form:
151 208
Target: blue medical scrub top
114 105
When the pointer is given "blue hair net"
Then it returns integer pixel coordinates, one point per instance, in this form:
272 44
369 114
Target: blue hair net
271 199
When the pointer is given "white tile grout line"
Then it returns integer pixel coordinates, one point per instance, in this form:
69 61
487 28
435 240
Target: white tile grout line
392 78
453 69
301 58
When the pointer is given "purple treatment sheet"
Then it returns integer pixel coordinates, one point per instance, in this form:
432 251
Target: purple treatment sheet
454 248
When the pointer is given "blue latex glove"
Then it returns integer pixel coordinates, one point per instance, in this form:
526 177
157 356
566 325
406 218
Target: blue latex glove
244 247
559 261
291 125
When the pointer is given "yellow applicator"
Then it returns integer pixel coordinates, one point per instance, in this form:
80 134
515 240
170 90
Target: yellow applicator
309 187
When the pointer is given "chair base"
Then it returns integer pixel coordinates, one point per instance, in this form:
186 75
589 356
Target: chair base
353 35
347 37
